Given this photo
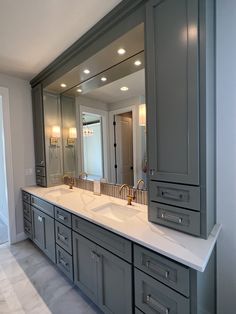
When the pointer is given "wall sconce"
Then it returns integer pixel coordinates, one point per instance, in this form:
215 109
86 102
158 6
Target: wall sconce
56 134
142 115
72 136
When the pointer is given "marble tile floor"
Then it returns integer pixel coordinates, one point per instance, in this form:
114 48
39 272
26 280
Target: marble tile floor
30 283
3 232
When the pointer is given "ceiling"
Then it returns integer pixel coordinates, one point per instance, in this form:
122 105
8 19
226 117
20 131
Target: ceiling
111 93
34 33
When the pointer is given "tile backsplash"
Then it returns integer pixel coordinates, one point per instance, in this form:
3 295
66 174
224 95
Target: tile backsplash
112 190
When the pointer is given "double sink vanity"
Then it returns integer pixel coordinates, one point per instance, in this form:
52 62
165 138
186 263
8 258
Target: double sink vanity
122 262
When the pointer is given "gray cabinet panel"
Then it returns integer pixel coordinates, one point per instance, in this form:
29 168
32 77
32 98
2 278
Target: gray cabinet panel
175 194
105 238
137 311
28 228
64 262
63 216
43 232
114 283
63 237
27 211
26 197
177 218
42 205
152 297
40 171
41 181
38 120
170 273
85 266
172 90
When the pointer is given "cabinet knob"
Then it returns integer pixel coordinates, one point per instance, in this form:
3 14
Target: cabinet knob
152 172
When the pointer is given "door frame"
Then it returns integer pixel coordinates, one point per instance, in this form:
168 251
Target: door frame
132 109
4 92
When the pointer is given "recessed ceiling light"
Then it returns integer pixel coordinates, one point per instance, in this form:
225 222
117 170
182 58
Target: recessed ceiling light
104 79
63 85
79 90
86 71
137 63
124 88
121 51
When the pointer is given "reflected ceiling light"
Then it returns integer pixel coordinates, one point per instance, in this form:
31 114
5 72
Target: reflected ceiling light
142 115
104 79
79 90
137 63
124 88
121 51
63 85
86 71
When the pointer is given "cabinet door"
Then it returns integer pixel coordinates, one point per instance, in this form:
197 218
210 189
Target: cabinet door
43 233
172 90
85 266
114 283
38 119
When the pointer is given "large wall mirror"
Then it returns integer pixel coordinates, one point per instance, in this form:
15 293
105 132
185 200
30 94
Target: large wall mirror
100 129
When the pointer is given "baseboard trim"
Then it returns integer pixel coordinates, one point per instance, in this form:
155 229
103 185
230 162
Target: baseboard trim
20 237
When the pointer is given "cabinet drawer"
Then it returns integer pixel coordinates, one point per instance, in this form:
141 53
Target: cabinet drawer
151 297
40 171
64 262
176 218
64 237
42 205
27 211
170 273
26 197
175 194
63 216
104 238
28 228
41 181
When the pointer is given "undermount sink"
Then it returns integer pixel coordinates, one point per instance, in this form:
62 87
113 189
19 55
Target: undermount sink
59 192
116 212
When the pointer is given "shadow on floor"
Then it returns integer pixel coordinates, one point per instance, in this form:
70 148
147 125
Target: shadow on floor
3 232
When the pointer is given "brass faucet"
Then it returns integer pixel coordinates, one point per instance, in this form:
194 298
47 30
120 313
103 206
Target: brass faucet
83 174
139 182
71 181
130 196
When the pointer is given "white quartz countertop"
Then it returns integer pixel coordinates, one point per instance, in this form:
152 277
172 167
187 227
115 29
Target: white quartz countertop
188 250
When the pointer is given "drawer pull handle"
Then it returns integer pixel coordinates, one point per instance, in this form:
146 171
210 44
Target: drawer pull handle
152 172
172 218
40 219
61 217
61 237
61 261
157 305
168 195
159 269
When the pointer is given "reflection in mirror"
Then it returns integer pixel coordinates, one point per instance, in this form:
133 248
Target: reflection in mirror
104 114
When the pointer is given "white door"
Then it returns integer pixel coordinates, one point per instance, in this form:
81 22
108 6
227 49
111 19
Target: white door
124 149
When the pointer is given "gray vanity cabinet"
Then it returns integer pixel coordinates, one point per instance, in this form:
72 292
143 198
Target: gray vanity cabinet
43 232
102 276
39 138
181 113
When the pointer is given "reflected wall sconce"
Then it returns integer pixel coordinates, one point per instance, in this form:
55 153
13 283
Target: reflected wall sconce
142 115
56 134
72 136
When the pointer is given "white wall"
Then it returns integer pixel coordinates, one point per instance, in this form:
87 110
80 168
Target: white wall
226 155
22 140
3 183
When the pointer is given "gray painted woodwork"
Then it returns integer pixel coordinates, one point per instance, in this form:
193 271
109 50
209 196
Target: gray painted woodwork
177 218
172 91
170 273
40 171
151 296
43 232
64 262
110 241
137 311
185 196
26 197
28 228
63 237
85 266
114 283
42 205
38 120
63 216
27 211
